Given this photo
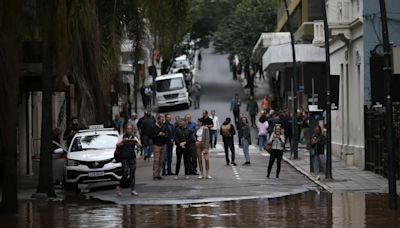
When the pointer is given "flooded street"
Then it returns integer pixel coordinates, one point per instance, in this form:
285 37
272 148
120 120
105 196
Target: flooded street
310 209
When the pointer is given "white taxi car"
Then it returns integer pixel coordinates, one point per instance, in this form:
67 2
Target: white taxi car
90 157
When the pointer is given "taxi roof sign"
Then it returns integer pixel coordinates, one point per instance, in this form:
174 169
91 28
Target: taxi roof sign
96 126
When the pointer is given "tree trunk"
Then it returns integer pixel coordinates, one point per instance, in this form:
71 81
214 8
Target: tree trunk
46 184
9 77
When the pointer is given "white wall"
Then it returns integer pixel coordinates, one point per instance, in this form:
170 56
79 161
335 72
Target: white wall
348 121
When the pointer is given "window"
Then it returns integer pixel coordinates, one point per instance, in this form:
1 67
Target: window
170 84
343 10
94 142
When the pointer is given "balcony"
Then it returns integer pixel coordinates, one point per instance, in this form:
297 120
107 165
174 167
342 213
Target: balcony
319 35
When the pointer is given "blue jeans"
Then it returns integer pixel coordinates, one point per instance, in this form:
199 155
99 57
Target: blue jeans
148 145
319 163
245 146
213 138
262 140
168 159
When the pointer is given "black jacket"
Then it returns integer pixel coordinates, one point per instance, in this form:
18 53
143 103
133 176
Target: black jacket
146 125
245 130
160 140
184 135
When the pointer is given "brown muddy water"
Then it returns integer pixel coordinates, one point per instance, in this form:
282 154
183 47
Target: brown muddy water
310 209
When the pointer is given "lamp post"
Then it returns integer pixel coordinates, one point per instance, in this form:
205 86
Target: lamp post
328 170
387 68
294 87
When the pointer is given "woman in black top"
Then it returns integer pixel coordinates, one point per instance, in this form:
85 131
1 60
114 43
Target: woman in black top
318 145
127 156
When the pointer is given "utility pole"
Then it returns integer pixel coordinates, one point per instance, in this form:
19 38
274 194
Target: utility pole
294 87
387 68
328 171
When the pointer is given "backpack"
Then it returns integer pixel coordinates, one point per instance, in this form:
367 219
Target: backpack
226 130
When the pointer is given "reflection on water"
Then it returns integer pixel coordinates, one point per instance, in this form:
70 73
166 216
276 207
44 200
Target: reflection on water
309 209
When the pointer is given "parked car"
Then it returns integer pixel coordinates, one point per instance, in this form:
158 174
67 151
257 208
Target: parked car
90 157
171 90
181 62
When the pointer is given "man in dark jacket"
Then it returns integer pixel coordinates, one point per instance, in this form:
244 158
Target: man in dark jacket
160 138
228 131
145 126
192 145
183 139
167 170
252 108
235 108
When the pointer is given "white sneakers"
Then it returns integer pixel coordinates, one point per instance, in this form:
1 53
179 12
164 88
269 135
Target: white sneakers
119 193
205 177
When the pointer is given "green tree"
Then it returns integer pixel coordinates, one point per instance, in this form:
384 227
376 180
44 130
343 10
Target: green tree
239 32
206 15
170 22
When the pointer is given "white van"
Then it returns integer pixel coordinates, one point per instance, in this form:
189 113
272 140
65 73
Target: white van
171 91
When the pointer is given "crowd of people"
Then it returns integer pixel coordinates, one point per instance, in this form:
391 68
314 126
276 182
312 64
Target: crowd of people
275 131
157 136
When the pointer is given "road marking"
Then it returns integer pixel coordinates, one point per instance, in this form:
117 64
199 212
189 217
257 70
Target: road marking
236 173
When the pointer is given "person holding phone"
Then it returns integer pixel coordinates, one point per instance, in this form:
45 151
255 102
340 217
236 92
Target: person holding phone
160 139
127 144
277 141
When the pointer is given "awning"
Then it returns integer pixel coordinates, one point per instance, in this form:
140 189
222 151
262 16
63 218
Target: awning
279 56
265 41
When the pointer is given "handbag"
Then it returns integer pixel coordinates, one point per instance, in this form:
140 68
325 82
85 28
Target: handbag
268 147
117 154
312 151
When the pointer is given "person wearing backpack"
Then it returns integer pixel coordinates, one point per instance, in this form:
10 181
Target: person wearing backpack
227 132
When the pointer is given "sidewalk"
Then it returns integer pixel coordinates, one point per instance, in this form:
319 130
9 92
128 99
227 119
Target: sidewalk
345 179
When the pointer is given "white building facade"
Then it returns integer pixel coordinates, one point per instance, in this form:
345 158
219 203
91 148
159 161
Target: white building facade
346 55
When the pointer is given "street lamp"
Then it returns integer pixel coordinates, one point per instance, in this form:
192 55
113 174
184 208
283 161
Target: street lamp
387 68
328 170
294 146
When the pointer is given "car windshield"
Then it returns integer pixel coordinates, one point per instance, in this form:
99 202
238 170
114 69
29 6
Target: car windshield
94 142
180 64
170 84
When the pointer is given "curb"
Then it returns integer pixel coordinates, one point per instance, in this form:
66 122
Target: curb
308 175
